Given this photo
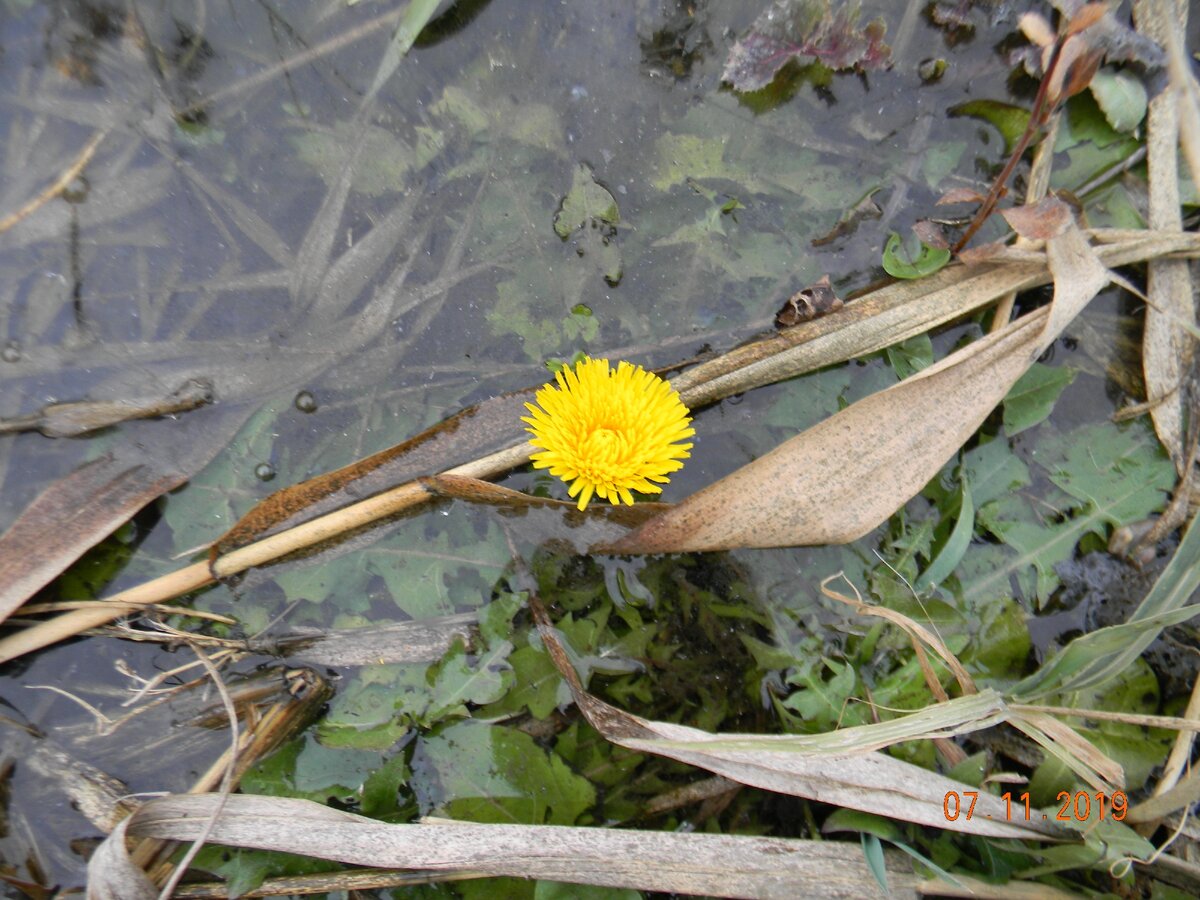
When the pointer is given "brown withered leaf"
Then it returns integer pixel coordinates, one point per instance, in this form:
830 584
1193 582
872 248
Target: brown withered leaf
960 195
807 30
535 521
1167 351
82 508
973 256
843 477
931 233
1091 34
1043 220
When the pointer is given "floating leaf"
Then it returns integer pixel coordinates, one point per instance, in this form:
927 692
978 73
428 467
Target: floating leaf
899 262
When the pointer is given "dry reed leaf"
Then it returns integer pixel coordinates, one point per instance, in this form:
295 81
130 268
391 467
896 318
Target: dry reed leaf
846 475
1064 743
425 640
1166 349
902 310
1054 736
917 632
96 499
711 864
870 323
466 435
839 767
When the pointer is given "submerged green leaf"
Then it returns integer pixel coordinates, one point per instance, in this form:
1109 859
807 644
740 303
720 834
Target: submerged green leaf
1034 395
586 203
956 545
1106 476
486 773
1008 119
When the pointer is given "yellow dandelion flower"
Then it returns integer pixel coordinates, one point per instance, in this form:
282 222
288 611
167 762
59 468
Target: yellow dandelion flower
608 432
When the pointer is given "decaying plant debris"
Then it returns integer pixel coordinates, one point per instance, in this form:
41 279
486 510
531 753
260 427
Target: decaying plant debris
829 484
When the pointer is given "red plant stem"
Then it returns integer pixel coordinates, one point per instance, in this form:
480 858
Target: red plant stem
1039 115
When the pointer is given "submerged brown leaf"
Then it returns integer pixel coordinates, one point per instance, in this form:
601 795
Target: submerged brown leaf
103 494
806 30
73 419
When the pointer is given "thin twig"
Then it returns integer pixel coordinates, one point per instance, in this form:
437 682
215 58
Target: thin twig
60 184
1039 114
226 780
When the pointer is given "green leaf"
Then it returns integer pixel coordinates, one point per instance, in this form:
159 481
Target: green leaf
381 789
900 262
586 202
486 773
495 619
684 156
911 356
1107 475
1033 396
416 17
376 708
879 827
384 164
1090 143
323 769
558 890
458 681
971 770
245 870
1009 120
821 703
873 851
956 545
1095 659
1122 97
538 686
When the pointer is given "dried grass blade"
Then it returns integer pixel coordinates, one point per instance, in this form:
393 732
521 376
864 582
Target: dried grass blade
917 632
722 865
831 768
1069 747
822 494
1166 350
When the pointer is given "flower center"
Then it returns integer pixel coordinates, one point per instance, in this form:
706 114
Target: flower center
604 447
